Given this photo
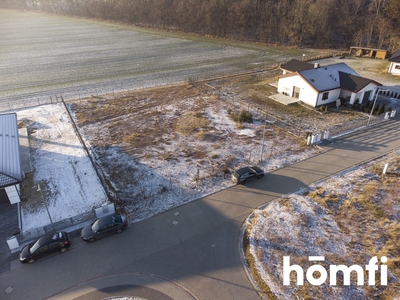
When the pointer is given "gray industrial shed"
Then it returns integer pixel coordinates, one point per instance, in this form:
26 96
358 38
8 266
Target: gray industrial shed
11 173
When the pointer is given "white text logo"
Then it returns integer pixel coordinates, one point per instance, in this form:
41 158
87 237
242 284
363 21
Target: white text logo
371 268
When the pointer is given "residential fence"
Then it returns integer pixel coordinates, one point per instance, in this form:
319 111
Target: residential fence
271 119
213 76
88 151
21 104
291 128
77 221
34 99
350 126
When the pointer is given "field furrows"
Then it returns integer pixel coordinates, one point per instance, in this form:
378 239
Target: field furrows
43 56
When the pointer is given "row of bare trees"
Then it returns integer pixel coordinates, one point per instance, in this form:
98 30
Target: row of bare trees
301 23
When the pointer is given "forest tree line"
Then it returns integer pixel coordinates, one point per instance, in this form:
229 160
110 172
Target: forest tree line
299 23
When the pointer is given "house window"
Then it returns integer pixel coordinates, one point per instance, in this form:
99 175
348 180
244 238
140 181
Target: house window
397 67
325 96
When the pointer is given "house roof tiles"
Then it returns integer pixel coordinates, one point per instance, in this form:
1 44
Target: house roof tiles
326 77
295 65
353 83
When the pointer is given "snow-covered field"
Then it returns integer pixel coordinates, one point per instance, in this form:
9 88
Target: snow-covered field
177 168
348 218
45 56
68 182
94 59
71 186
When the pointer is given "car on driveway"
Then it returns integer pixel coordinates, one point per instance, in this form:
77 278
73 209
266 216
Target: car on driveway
247 173
45 245
104 226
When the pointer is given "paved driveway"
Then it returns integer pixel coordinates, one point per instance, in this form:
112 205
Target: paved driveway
191 255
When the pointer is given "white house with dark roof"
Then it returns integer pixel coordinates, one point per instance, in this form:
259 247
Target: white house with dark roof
11 173
319 85
394 67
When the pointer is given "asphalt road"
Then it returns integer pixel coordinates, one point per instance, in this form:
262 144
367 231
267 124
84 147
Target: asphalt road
191 255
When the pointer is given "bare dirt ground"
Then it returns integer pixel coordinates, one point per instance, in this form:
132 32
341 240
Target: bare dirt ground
160 147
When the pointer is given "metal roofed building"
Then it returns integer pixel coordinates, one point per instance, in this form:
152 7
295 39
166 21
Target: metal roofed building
11 173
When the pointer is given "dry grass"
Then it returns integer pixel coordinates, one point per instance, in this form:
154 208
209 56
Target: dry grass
140 119
251 263
284 202
145 118
190 123
147 123
200 135
366 213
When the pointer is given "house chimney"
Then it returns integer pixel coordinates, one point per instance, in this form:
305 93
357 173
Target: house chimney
316 65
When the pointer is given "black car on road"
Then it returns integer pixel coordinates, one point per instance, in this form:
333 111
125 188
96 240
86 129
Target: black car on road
242 175
45 245
104 226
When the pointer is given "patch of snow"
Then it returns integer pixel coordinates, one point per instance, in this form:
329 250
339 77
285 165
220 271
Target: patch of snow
63 173
71 187
299 227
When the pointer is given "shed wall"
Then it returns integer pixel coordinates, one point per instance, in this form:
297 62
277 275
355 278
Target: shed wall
394 68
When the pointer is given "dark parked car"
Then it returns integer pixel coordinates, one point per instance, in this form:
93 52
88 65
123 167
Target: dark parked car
242 175
104 226
43 246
